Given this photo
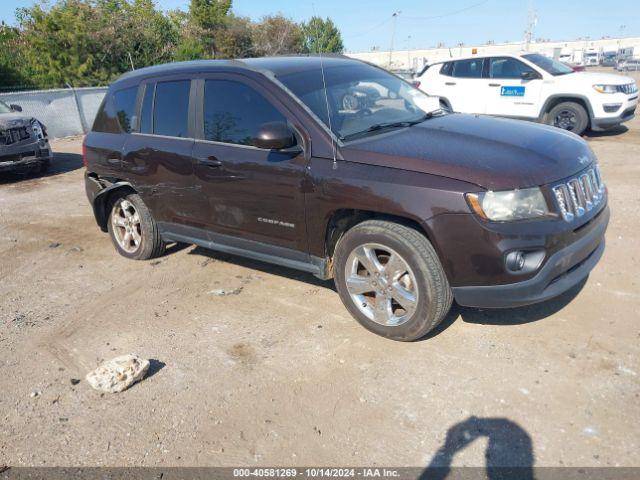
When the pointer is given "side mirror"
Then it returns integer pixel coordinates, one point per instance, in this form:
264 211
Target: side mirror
530 75
15 108
274 136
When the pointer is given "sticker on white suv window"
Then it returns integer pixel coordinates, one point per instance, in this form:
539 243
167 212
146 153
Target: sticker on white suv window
512 91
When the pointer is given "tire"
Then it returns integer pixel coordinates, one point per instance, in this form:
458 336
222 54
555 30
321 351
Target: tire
132 229
569 116
423 280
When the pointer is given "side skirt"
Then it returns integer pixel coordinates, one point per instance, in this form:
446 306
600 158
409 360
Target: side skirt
264 252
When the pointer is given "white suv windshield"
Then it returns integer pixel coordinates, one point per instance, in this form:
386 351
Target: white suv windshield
548 64
4 108
361 99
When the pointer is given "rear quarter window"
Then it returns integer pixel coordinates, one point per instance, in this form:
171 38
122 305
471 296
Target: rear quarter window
117 113
446 68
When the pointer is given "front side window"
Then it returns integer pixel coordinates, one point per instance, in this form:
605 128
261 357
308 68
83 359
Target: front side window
234 112
359 99
471 68
171 109
507 67
4 108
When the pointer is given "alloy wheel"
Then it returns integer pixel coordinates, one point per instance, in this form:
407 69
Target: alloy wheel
566 119
127 229
381 284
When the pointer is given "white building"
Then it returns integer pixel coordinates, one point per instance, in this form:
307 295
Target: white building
570 51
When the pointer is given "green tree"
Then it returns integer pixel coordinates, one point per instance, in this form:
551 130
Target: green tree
233 38
277 35
321 36
209 14
12 68
92 42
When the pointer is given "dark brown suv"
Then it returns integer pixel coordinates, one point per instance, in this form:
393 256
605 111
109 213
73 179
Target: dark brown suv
338 168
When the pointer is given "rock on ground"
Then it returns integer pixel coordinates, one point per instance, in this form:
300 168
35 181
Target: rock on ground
118 374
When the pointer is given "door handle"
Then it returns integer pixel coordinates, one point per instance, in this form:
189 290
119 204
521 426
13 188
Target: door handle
450 83
211 162
495 85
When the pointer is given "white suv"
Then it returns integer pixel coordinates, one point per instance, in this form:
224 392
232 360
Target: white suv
533 87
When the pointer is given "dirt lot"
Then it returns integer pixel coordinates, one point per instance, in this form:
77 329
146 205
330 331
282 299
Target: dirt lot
279 374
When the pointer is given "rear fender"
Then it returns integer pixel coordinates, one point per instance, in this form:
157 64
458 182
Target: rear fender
99 192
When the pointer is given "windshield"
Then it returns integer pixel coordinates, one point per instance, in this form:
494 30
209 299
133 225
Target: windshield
361 98
548 64
4 108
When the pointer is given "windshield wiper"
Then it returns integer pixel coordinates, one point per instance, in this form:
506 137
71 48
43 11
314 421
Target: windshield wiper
383 126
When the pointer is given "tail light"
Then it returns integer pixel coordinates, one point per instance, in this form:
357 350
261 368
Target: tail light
416 83
84 153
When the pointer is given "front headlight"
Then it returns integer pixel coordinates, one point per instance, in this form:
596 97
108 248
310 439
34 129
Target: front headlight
606 88
509 206
36 126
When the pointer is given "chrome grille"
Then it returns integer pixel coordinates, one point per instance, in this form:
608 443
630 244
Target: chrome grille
628 88
579 194
13 135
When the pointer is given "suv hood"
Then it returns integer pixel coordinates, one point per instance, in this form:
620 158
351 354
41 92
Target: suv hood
592 78
13 120
494 153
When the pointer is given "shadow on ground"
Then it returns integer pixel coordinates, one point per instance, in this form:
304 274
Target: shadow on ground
61 163
509 452
612 132
504 317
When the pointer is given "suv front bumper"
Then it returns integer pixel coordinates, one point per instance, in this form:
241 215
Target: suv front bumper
24 155
562 271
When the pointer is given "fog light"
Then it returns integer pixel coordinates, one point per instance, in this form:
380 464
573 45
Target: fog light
611 107
515 261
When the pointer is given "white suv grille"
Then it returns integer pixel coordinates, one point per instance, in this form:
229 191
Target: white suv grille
580 194
628 88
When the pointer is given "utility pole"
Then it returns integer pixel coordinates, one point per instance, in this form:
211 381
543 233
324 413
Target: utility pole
409 52
393 34
532 20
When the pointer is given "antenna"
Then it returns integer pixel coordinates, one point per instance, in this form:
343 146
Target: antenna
324 86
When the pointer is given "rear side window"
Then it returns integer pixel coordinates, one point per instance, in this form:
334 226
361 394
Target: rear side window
233 112
118 112
171 109
506 67
471 68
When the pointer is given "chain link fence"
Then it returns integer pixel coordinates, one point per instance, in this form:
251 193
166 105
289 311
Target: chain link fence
64 111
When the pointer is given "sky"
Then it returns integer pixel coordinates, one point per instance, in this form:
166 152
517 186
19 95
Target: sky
425 23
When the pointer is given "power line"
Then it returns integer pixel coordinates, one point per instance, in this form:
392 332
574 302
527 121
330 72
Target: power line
375 27
448 14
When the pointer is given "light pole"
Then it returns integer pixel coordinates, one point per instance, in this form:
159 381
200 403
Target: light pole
393 34
409 52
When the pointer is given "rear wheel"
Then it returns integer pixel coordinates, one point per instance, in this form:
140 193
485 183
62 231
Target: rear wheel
390 279
569 116
133 230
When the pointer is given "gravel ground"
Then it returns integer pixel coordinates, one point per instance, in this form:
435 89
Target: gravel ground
277 372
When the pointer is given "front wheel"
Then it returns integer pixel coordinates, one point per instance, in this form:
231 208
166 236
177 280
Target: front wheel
133 230
569 116
390 279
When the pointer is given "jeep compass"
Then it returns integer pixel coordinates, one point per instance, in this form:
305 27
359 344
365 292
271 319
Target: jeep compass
338 168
